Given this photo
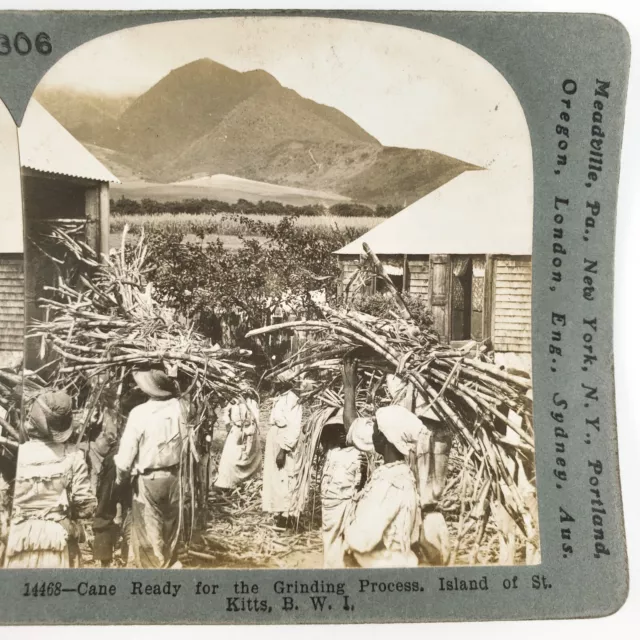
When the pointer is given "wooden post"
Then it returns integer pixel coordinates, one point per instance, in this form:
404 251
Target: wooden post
92 216
487 310
405 274
404 312
104 219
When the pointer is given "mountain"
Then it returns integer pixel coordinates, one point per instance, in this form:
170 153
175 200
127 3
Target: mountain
205 119
91 117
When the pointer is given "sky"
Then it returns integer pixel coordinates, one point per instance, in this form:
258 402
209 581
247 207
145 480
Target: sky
407 88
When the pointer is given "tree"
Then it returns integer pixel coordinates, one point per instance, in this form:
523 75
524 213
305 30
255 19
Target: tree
279 264
351 209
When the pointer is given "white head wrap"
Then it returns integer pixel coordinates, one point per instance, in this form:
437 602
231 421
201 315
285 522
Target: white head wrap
400 427
361 435
336 418
242 412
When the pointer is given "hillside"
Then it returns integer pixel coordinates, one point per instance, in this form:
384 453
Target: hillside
205 119
91 117
222 187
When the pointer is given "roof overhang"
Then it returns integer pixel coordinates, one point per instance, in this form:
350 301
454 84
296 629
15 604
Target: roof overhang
476 213
47 147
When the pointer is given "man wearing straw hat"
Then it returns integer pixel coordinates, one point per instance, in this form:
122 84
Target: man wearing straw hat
52 490
151 451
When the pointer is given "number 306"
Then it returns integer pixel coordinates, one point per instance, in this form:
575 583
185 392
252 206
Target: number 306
22 44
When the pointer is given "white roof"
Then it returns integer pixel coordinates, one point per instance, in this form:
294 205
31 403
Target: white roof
478 212
45 145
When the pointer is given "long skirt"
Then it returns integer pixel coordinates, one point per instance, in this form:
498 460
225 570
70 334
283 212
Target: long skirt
434 539
38 544
241 458
277 484
334 546
155 520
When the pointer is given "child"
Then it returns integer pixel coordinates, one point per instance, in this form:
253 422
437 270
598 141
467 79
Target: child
343 475
113 502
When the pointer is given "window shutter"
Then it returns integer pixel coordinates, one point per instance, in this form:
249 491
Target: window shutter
440 276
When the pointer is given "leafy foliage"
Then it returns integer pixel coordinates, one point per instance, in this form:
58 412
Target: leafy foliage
231 292
382 305
127 206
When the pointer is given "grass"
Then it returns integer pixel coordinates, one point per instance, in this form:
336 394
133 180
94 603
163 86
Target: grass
226 224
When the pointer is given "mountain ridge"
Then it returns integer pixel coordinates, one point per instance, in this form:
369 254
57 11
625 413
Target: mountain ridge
204 118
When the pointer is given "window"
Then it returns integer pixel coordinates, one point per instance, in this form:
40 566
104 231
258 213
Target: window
467 297
461 298
397 277
397 282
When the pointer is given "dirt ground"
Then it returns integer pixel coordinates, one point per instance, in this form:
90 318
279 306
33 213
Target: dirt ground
237 534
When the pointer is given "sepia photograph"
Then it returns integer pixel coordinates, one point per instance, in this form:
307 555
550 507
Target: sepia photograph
274 309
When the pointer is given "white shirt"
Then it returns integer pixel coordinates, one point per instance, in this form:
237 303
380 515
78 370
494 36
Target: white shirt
154 437
385 521
287 416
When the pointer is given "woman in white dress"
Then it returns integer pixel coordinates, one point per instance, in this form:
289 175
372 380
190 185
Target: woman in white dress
343 475
383 523
242 453
280 455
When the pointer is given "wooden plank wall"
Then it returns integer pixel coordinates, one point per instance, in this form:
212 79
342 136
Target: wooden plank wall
418 267
11 303
512 304
419 276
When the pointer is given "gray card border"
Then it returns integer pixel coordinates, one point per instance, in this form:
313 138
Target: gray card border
535 53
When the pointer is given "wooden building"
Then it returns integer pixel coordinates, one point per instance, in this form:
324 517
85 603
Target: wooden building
466 250
11 246
61 183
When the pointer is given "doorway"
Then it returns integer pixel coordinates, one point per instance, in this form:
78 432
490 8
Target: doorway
461 304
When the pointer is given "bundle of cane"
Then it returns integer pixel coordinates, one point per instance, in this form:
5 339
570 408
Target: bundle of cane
306 451
487 408
110 322
17 391
107 322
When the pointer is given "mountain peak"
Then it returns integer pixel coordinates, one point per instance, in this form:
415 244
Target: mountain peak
203 67
202 64
208 70
207 118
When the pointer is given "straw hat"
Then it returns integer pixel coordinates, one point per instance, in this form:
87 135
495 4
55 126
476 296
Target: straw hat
336 418
155 383
51 415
